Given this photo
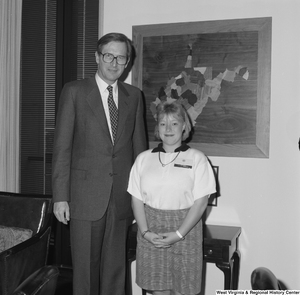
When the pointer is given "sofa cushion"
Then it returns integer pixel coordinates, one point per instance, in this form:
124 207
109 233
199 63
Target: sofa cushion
11 236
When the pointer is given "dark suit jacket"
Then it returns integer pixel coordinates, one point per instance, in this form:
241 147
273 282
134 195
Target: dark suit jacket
87 167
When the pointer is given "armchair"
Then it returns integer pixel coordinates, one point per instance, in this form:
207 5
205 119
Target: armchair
31 212
41 282
264 279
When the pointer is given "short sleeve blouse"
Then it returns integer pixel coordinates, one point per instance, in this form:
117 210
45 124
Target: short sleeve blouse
186 177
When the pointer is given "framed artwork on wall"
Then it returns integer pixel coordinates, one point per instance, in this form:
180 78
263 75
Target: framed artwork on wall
220 71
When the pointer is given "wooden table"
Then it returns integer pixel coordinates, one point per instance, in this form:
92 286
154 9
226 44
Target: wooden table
220 247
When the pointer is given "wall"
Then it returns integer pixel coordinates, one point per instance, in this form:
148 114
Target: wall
260 195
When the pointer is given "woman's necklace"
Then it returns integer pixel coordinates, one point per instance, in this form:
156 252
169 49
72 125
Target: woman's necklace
164 165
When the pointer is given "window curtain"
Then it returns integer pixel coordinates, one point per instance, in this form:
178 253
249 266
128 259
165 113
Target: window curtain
10 48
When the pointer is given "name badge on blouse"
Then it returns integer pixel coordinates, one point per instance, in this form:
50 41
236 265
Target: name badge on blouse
184 163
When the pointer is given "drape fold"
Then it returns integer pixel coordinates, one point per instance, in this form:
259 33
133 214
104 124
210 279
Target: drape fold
10 52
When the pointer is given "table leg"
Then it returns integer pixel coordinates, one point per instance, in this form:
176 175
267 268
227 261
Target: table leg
236 269
128 283
226 268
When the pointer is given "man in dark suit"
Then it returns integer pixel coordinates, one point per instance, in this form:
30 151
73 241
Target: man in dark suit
92 159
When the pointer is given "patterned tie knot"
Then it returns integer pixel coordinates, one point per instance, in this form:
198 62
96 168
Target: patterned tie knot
113 112
110 89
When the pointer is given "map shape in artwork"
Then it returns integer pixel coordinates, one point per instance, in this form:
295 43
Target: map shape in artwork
193 93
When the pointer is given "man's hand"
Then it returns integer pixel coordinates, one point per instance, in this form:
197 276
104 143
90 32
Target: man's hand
62 211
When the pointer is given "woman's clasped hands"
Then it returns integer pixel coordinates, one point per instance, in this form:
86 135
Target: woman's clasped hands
162 240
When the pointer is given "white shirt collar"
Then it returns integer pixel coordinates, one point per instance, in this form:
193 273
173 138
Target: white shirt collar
103 85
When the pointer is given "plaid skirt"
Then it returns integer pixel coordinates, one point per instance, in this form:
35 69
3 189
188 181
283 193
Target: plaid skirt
176 268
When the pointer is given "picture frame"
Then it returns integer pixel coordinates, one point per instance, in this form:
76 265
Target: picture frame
213 198
225 65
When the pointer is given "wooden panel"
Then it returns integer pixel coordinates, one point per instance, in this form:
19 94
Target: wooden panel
236 121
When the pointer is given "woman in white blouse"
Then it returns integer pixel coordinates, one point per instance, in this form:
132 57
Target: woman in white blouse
170 186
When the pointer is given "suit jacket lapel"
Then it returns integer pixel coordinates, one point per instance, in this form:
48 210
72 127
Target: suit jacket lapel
123 97
95 102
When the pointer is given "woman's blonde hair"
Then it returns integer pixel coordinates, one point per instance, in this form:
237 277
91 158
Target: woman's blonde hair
175 109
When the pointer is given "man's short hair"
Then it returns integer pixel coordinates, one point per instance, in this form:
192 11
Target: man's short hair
116 37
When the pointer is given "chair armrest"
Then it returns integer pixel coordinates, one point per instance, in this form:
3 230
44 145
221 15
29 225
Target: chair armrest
20 261
41 282
263 278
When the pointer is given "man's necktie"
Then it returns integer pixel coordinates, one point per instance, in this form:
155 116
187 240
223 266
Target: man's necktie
113 112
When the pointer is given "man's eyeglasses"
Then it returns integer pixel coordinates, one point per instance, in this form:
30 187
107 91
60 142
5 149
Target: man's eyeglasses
108 58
